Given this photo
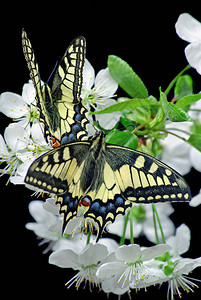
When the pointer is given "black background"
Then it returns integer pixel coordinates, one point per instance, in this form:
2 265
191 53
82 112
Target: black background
143 35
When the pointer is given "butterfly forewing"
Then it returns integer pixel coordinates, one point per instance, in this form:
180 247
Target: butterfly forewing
61 108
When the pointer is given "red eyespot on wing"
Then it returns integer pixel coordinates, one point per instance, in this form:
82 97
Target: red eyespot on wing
85 202
55 142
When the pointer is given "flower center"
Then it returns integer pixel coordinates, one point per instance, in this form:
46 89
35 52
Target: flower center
86 274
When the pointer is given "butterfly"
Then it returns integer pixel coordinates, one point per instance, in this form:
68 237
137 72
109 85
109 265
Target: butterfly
104 179
60 107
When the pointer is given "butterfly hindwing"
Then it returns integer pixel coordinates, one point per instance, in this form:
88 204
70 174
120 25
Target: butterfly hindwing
130 176
61 108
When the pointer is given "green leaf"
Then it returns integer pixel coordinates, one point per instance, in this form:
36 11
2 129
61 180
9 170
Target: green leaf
127 104
195 140
127 79
173 113
122 138
183 87
187 100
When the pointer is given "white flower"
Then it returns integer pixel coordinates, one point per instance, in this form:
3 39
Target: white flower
98 93
20 149
86 262
180 242
13 150
127 268
44 220
175 274
143 222
196 200
179 279
20 108
180 161
189 29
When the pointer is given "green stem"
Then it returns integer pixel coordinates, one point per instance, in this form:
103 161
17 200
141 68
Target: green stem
131 229
89 236
158 220
155 227
178 136
175 79
126 217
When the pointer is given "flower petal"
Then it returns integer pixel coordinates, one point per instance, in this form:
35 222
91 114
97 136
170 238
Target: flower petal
180 243
65 258
128 253
88 76
108 121
196 200
12 105
105 85
16 137
110 269
188 28
40 214
93 254
193 55
3 148
195 157
29 92
154 251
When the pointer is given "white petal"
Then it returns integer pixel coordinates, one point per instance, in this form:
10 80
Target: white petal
110 269
111 244
88 76
93 254
50 206
180 160
180 243
3 148
65 259
12 105
105 85
128 253
187 265
193 56
17 179
29 93
111 285
167 225
16 137
39 214
195 157
37 133
76 244
196 200
23 168
188 28
108 121
154 251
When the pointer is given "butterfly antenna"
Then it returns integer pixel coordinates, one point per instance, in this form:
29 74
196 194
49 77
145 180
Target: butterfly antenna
53 71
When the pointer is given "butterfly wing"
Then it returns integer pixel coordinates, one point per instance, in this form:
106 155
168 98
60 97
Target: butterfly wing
61 108
47 111
60 171
129 176
66 90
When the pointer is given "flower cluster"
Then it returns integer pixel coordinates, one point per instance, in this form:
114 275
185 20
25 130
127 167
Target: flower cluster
140 121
